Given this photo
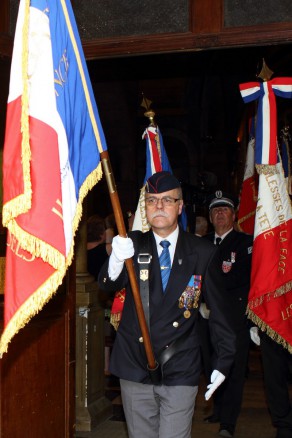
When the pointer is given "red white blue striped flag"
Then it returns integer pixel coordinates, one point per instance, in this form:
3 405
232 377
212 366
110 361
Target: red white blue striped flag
51 160
156 161
266 128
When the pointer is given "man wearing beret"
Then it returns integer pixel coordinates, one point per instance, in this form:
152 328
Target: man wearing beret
183 267
235 252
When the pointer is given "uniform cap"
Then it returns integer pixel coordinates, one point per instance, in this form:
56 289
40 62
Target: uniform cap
221 199
161 182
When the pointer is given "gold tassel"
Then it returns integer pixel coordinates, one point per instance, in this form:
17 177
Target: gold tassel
115 320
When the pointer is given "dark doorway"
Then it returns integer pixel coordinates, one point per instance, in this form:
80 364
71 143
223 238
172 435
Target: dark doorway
199 111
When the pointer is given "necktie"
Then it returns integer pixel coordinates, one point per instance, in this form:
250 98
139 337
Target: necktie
165 263
218 241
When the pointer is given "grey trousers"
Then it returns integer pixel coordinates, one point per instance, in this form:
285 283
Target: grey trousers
158 411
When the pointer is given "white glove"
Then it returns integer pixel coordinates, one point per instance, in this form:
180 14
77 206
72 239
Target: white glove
254 335
204 311
216 379
122 249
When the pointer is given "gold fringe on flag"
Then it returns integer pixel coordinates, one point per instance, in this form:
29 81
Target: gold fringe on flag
270 332
266 169
46 291
22 203
30 308
260 323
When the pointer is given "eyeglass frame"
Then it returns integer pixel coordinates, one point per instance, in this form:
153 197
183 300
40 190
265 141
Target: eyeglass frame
163 201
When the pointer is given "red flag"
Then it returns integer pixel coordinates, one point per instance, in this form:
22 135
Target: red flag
270 296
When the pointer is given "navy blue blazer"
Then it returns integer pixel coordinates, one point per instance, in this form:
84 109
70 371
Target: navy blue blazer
235 253
193 256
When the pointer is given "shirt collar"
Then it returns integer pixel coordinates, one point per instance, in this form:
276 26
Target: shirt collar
223 235
172 238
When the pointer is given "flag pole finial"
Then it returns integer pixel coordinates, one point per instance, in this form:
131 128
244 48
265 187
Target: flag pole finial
146 103
265 74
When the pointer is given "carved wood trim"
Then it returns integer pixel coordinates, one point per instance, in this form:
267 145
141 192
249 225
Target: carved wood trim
231 37
207 31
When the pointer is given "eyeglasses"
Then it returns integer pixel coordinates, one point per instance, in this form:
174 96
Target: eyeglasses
166 201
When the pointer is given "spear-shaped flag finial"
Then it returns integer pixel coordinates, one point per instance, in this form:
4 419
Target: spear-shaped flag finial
265 74
146 103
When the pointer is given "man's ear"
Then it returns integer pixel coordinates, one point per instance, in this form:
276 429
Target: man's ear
210 218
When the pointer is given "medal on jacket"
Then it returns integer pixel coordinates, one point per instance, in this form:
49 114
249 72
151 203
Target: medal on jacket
190 296
227 264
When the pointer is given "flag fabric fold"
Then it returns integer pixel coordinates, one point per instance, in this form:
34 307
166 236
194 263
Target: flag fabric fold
271 276
51 158
249 189
285 153
270 296
156 160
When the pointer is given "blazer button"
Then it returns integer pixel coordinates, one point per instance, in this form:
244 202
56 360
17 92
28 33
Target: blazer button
141 339
175 324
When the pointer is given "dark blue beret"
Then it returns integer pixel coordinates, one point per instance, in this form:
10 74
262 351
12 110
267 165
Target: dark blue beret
161 182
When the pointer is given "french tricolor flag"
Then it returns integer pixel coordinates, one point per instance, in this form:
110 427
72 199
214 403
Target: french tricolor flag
51 159
156 157
266 127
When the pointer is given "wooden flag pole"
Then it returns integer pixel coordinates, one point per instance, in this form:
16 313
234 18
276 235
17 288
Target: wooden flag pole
152 364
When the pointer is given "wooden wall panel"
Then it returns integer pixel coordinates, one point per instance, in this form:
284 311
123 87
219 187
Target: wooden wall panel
206 16
32 386
37 375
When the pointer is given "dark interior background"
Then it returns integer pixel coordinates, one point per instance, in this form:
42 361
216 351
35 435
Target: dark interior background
199 110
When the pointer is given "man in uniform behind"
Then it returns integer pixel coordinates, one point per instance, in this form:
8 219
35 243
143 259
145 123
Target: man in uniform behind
235 253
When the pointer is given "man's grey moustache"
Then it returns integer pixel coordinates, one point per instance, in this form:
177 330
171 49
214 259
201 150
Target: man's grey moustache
159 213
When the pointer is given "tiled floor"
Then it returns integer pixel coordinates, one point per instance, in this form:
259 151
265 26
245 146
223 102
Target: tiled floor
254 420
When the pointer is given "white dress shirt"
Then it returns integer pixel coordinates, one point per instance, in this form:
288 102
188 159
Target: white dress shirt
172 239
